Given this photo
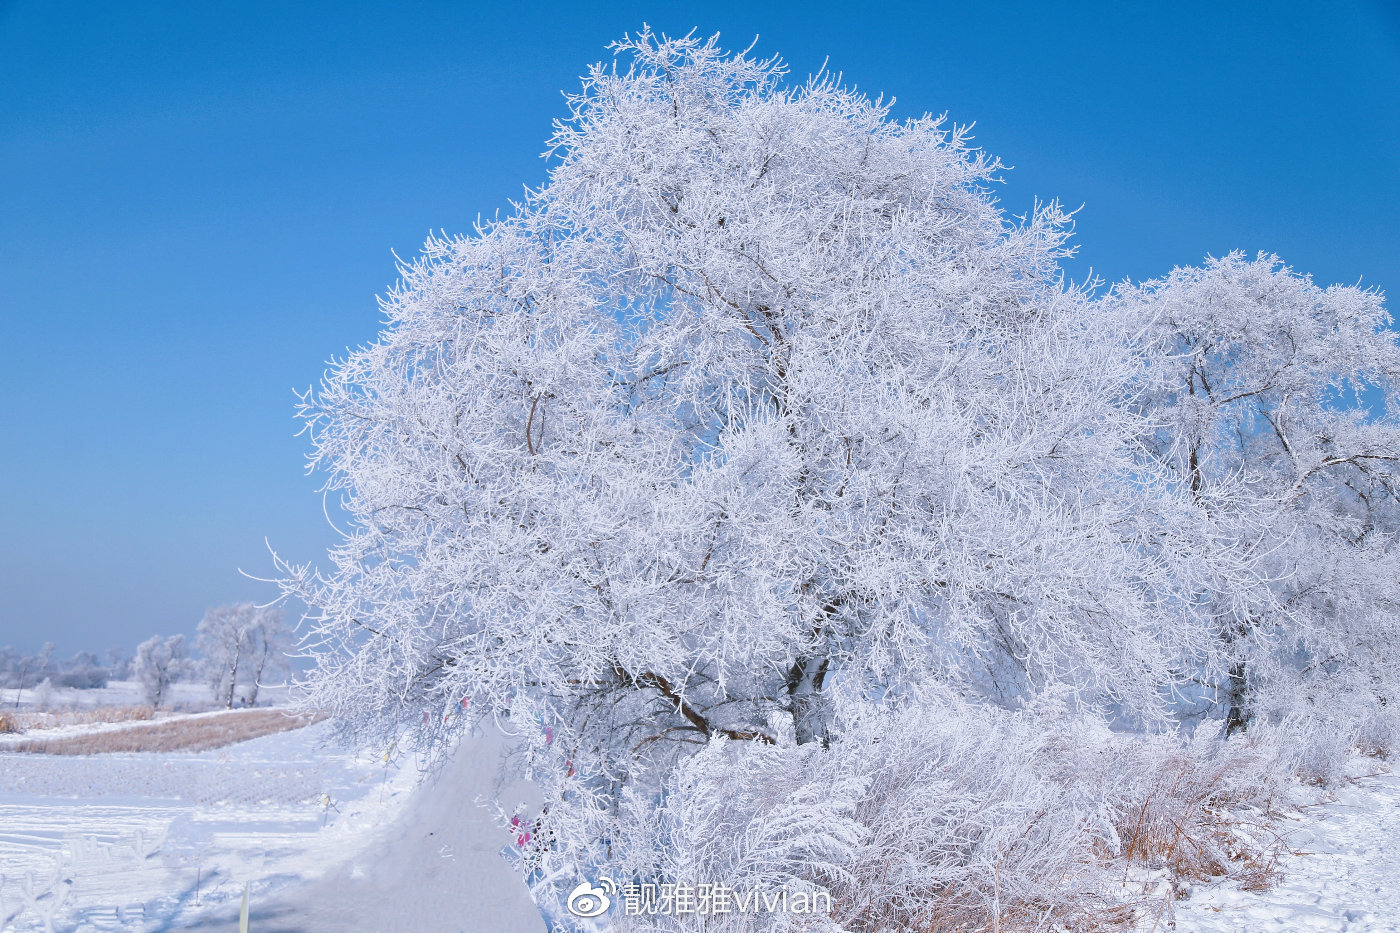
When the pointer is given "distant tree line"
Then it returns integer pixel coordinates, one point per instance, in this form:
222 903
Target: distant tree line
237 648
83 671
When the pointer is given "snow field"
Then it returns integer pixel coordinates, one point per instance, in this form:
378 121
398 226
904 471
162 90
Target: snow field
133 841
335 841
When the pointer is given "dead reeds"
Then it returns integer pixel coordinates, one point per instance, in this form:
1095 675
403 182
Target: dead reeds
191 734
80 716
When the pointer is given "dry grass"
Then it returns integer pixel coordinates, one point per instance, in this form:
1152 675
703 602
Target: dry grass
192 735
82 717
8 723
1205 820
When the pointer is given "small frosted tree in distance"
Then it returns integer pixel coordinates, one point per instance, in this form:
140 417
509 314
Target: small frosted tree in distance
159 663
271 641
232 637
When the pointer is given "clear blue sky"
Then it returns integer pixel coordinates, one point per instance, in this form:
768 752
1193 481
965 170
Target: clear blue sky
198 203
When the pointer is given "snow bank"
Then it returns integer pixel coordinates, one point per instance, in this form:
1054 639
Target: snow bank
1338 873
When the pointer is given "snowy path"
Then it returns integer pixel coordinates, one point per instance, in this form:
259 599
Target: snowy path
159 843
437 869
1344 874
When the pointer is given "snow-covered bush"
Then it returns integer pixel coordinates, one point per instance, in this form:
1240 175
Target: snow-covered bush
1203 808
1378 733
966 827
1323 743
1326 721
84 677
44 694
950 817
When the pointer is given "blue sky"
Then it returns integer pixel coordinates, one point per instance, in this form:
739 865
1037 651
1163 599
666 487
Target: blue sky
198 204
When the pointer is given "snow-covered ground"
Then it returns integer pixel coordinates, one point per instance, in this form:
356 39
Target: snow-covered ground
166 841
331 841
436 869
1342 873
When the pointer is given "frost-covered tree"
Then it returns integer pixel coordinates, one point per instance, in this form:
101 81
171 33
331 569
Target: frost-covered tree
118 663
225 637
270 641
159 663
1258 396
240 643
759 410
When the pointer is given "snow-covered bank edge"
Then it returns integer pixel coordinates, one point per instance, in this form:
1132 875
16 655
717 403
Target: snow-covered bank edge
436 867
1336 873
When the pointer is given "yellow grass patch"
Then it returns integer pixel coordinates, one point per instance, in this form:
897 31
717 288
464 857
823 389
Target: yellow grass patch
51 719
193 734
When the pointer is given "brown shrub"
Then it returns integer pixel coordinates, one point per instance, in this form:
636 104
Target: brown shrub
8 723
185 734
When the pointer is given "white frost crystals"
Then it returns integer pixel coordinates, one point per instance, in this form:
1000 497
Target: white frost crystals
1253 366
758 421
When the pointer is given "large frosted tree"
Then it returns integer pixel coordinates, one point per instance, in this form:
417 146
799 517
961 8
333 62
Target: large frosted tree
760 402
758 421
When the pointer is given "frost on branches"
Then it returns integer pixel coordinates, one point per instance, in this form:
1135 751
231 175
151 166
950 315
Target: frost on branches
240 643
760 424
1258 375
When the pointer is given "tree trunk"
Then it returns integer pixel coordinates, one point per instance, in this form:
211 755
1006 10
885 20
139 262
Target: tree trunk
1237 714
232 678
257 677
23 671
804 686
